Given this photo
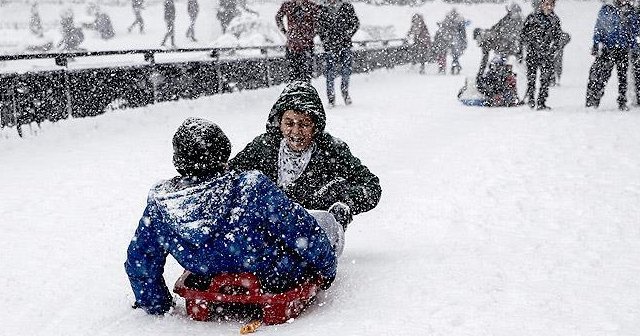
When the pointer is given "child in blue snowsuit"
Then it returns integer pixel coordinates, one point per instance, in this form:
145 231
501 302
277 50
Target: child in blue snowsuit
212 221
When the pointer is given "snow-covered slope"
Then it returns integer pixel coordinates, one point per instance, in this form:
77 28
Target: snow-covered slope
502 221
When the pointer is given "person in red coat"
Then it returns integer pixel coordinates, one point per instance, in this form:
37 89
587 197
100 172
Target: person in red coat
301 21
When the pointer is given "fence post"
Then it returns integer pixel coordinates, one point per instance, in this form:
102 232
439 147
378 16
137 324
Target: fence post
67 92
13 101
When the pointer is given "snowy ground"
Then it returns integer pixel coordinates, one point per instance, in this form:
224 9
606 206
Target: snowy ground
502 221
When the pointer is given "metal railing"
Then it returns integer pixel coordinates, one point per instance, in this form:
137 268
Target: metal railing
73 89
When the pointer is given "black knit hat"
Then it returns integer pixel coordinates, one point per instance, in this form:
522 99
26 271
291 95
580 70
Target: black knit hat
200 148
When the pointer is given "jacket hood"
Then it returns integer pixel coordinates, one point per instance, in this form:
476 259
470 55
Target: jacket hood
193 207
298 96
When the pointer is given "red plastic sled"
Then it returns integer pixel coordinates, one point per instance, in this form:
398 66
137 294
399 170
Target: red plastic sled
276 308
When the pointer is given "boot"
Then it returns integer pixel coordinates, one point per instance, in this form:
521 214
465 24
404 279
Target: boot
347 99
332 101
543 107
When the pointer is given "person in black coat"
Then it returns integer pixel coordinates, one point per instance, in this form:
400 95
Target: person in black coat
498 84
540 36
310 165
337 24
503 37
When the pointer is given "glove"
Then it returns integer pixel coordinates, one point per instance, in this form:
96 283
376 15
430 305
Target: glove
342 213
325 283
334 191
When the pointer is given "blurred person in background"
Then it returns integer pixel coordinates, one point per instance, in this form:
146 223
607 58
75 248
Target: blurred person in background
137 6
503 38
614 36
451 37
540 36
170 20
101 23
72 36
301 26
337 24
558 58
35 22
420 41
192 9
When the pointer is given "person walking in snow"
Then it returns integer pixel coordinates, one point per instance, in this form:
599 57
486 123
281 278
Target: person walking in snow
420 41
451 37
192 9
302 20
137 6
337 24
540 36
169 19
35 22
310 165
101 22
503 38
212 222
614 36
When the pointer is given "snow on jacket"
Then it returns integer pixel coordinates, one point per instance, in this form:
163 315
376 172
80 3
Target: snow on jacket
337 25
302 17
616 27
231 223
331 163
541 34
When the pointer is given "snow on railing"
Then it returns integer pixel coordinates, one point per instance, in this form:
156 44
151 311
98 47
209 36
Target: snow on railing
87 83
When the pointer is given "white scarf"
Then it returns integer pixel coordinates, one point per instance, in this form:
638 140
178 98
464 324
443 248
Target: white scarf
291 164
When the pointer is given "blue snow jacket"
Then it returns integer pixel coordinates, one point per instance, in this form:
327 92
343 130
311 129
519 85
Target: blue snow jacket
237 222
616 27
